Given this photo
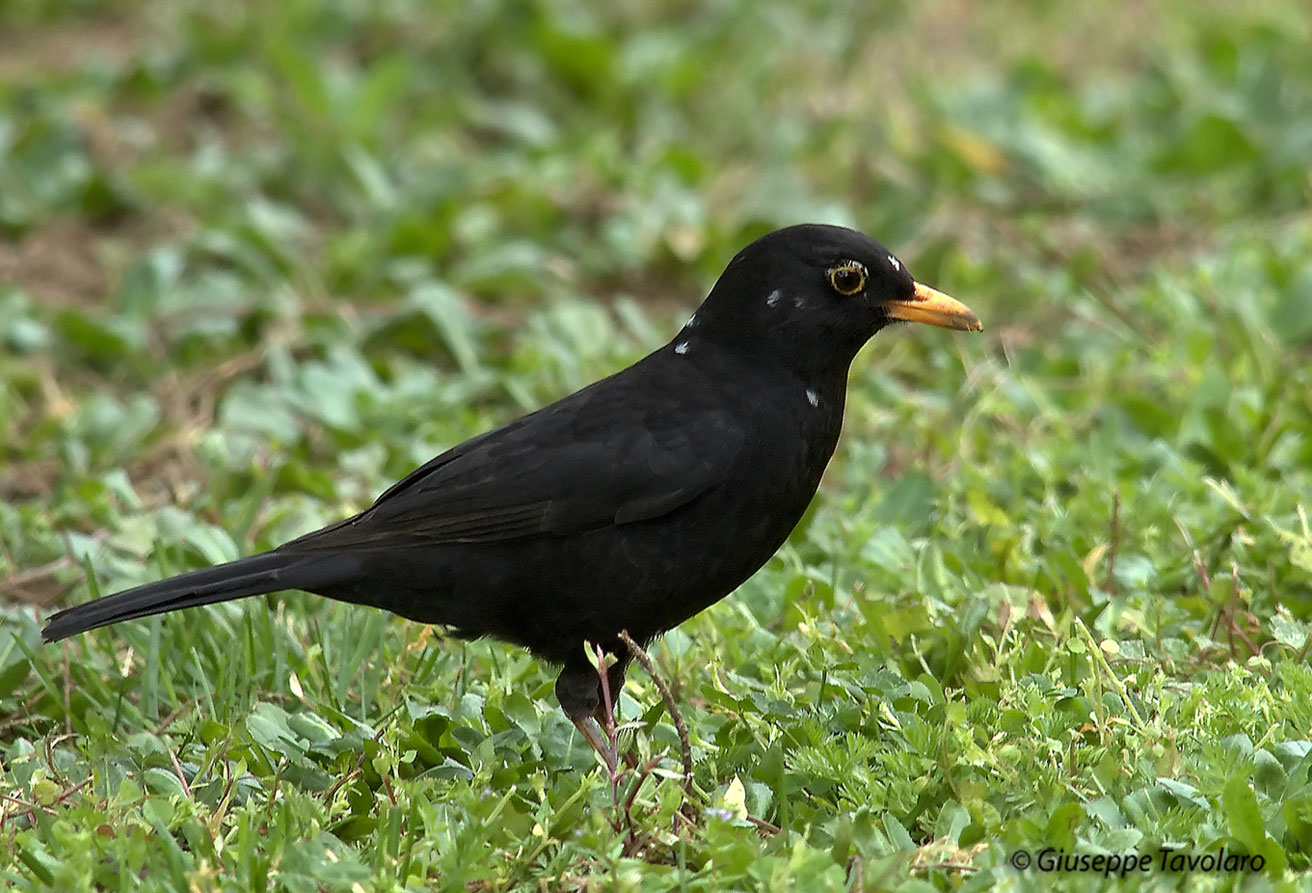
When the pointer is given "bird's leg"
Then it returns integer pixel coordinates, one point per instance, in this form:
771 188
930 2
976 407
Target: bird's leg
592 733
580 696
589 695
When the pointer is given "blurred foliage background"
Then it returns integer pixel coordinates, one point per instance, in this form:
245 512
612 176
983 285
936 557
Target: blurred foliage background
259 260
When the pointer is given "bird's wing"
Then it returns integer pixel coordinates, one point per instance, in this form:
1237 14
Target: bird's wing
605 455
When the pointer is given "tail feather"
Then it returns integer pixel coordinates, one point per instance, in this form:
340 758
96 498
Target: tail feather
255 575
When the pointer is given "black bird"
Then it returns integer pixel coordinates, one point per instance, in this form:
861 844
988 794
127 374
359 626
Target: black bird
630 505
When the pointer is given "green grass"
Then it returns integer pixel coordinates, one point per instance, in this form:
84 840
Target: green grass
259 260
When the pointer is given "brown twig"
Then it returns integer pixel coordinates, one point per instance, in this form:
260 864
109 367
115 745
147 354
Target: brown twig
33 575
1232 617
1109 582
685 746
621 820
771 827
169 720
359 765
681 727
31 808
614 773
21 715
216 822
963 867
856 873
68 695
336 786
607 702
1200 569
177 768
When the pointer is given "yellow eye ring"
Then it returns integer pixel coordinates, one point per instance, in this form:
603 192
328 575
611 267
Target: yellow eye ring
848 278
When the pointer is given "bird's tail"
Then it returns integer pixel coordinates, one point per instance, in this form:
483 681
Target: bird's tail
255 575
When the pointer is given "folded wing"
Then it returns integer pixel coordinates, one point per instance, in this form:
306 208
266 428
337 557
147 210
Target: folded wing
599 457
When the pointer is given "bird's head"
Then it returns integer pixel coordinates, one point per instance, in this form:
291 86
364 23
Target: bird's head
814 294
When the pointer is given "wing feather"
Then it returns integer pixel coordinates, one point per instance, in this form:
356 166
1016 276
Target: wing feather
617 452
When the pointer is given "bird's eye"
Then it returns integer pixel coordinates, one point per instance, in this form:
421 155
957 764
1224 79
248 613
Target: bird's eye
848 278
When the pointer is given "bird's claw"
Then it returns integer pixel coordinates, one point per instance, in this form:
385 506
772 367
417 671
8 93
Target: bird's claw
605 749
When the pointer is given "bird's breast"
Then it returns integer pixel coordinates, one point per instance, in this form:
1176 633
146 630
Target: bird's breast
723 537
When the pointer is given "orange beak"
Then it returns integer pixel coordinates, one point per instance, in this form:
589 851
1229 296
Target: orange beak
936 309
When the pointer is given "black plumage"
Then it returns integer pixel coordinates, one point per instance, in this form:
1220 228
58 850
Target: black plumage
631 504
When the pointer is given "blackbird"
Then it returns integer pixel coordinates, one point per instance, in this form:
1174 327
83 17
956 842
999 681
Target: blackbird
631 504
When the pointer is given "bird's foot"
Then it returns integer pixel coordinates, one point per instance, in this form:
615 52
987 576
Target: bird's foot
605 749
